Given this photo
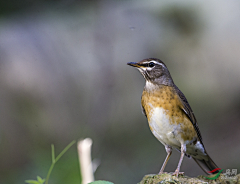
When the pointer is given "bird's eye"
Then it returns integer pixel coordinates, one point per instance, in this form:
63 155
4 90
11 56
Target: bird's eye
151 64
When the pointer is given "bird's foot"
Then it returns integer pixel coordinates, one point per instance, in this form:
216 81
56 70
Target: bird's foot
176 173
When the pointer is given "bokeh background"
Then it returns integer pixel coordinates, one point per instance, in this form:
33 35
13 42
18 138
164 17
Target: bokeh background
63 77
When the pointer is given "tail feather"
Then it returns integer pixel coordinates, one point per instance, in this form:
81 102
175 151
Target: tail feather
207 165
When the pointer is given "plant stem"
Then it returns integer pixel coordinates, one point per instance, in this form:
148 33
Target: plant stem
54 160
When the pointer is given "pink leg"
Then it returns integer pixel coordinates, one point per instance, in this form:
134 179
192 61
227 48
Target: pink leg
183 150
169 152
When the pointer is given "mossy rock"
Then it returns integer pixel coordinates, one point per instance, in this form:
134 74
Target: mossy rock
167 178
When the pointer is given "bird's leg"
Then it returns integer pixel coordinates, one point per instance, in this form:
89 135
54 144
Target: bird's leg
183 151
169 152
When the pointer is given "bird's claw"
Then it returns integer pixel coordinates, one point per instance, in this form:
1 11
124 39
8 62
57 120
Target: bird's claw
176 173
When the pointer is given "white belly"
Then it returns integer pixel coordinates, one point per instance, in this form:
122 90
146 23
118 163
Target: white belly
164 130
168 133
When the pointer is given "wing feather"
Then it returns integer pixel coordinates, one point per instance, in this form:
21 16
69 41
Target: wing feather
188 111
143 111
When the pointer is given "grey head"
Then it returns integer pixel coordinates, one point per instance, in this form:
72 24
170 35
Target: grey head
154 71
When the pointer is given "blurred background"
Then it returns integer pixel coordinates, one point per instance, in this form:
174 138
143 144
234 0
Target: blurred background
63 77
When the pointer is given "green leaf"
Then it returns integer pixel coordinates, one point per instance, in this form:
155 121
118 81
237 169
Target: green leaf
101 182
40 180
32 181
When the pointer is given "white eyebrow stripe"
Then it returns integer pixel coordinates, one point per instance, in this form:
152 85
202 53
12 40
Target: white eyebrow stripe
153 62
156 62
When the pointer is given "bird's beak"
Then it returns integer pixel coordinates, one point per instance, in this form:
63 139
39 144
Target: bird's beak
134 64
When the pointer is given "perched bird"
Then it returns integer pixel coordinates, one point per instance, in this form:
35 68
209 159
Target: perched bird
170 116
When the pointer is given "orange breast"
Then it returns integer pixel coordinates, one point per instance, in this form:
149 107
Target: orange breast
165 97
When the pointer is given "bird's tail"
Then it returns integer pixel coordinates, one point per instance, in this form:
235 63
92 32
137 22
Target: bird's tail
208 166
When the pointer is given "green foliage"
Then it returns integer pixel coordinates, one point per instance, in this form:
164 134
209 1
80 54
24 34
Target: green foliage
38 181
101 182
54 161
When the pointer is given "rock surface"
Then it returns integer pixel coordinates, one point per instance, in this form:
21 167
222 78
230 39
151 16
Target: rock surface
167 178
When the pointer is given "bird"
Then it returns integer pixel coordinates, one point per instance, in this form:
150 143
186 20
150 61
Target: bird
170 117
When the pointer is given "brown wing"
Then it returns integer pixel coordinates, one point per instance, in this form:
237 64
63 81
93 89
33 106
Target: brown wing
188 111
143 111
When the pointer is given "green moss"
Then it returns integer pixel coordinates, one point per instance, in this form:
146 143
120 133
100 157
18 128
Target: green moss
167 178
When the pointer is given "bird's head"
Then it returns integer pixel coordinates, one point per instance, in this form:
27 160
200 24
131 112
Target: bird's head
154 71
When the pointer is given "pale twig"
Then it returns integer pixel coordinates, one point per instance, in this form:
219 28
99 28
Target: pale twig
84 154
